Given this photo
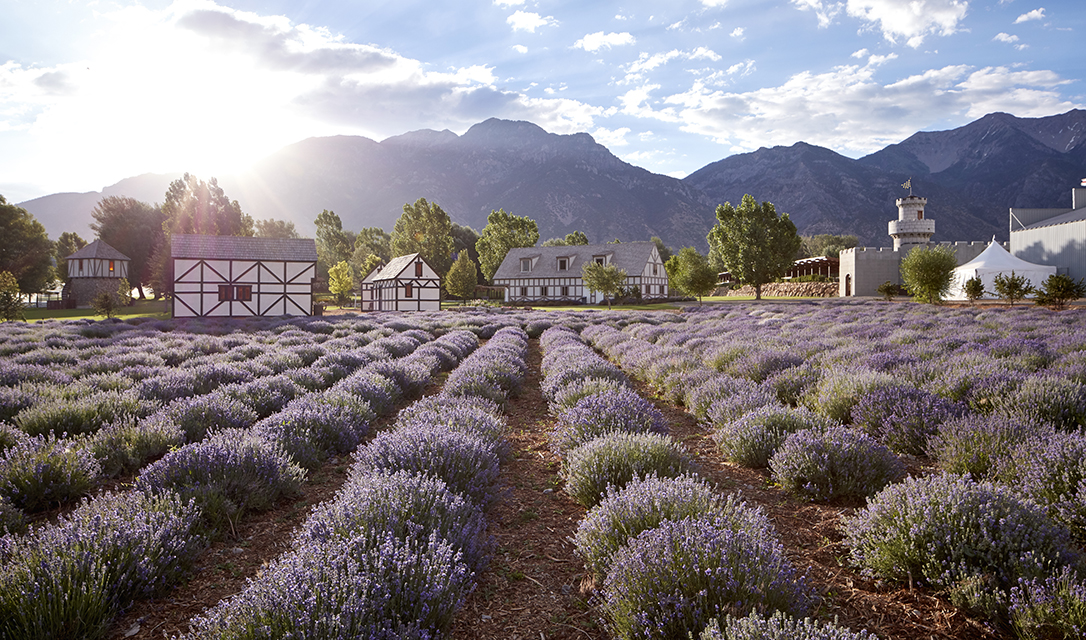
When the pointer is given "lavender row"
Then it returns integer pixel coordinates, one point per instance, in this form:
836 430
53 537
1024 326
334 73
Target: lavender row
396 551
669 551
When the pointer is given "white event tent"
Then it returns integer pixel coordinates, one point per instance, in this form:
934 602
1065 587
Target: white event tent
991 262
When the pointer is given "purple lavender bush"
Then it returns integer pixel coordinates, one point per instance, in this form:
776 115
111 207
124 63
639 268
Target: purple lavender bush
199 416
467 463
70 578
974 444
903 418
1050 608
616 458
792 384
834 463
779 626
316 426
405 504
975 540
744 398
607 412
13 400
228 474
459 414
265 395
398 588
43 471
644 503
1050 470
571 394
10 436
171 385
1047 399
126 446
841 388
671 580
83 413
12 519
379 392
753 439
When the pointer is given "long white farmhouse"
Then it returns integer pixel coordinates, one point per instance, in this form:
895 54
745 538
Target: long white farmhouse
553 274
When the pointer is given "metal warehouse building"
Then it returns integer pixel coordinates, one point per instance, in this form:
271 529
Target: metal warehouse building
1055 237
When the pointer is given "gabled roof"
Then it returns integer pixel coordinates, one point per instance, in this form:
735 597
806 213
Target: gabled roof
242 248
631 257
100 250
396 266
996 258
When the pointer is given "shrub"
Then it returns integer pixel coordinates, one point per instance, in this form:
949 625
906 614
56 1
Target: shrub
231 472
607 412
342 589
671 580
790 385
927 272
616 458
1050 469
126 446
405 504
199 416
379 392
11 519
744 400
779 627
974 443
754 437
973 289
1011 288
265 395
1047 399
43 471
840 389
569 395
318 425
835 463
82 414
903 418
644 503
467 463
1059 289
94 562
1054 607
953 533
458 413
165 388
13 400
10 436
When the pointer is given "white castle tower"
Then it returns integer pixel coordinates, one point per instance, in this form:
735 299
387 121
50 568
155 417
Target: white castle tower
911 229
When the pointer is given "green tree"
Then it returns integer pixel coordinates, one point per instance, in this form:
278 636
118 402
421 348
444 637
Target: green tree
135 229
689 271
374 240
25 249
503 231
1058 289
825 244
334 245
661 248
425 228
928 272
68 243
124 293
463 277
754 243
104 304
973 289
275 229
11 298
572 238
341 281
889 290
1011 288
607 279
369 263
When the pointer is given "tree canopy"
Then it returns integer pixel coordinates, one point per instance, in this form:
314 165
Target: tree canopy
928 272
341 281
135 229
374 240
661 248
690 272
607 279
424 228
68 243
25 249
334 245
11 299
571 239
462 277
754 244
825 244
503 231
275 229
195 206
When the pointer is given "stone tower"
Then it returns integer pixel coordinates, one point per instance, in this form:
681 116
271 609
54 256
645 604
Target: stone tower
911 229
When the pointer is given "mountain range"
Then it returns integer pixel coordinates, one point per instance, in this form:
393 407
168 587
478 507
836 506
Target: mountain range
970 175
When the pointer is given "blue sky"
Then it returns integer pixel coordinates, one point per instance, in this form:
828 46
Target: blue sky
93 92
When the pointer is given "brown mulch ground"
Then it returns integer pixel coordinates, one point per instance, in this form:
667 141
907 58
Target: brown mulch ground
533 587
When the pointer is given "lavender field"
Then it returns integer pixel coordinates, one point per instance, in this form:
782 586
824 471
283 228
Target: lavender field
945 447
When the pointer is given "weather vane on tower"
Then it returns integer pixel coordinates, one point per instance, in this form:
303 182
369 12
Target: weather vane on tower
908 184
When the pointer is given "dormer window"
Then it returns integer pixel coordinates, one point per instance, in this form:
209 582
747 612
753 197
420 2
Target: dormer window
563 264
600 260
525 265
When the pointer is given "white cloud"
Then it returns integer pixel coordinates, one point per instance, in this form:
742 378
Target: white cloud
737 33
1036 14
595 41
519 48
912 20
529 21
825 11
744 68
508 3
611 138
846 109
1005 37
714 3
862 53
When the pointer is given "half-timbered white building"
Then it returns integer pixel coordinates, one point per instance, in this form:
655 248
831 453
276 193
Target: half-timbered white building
233 276
553 274
406 283
94 269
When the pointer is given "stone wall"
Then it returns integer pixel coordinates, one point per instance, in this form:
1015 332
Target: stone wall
786 290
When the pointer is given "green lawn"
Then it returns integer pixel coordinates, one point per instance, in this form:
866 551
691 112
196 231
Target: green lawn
146 308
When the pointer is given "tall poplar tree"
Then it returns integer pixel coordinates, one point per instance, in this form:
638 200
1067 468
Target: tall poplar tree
426 229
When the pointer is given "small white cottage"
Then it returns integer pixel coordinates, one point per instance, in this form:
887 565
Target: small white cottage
94 269
553 274
230 276
406 283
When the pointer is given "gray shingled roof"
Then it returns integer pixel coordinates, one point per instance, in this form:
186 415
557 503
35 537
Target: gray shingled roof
395 267
100 250
240 248
1074 215
628 256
